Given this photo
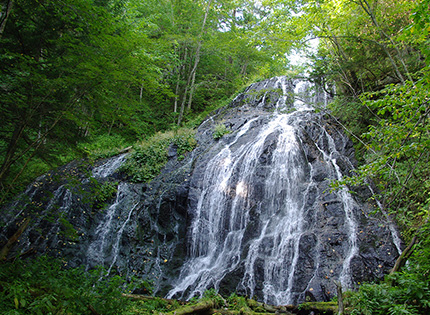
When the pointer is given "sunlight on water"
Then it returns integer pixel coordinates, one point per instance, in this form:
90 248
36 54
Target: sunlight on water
241 189
253 200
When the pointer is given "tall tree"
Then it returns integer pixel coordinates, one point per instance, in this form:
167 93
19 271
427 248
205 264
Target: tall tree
58 62
6 8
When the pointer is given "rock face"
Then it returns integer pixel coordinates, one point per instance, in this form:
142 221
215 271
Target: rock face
251 213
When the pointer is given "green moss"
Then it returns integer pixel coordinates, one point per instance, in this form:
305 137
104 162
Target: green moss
324 307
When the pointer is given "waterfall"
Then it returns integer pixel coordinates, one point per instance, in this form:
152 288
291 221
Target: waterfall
396 239
348 206
251 212
110 166
118 239
104 246
282 211
231 207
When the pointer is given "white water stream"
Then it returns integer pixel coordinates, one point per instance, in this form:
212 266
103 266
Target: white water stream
226 204
105 245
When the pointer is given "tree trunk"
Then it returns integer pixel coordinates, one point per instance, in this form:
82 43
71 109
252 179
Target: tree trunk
340 306
8 246
141 92
197 56
141 297
184 97
6 8
180 70
401 261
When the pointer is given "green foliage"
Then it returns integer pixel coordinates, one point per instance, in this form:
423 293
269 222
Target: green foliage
104 192
147 161
184 142
354 116
236 302
90 77
150 156
387 111
398 149
43 286
220 130
56 87
213 295
151 306
102 146
405 292
409 295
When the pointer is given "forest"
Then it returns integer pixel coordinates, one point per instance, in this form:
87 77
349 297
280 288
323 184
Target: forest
92 78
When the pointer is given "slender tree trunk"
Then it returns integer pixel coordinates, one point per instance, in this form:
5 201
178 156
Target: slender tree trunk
180 70
401 260
184 99
197 56
12 147
340 305
369 11
181 113
8 246
243 70
175 105
141 92
193 79
4 14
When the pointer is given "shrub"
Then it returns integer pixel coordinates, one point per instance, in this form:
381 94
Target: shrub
102 146
150 156
220 130
405 292
44 286
103 192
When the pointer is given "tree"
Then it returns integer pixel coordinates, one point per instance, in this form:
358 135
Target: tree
6 7
59 62
397 137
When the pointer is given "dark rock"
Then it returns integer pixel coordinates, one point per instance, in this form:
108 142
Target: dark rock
148 230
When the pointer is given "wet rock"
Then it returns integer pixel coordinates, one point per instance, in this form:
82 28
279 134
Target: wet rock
149 230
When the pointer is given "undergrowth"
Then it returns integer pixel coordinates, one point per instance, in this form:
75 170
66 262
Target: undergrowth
404 292
220 130
42 286
150 156
102 146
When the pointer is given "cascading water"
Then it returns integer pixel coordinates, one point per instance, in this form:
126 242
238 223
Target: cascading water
281 215
250 213
109 167
230 207
101 247
348 206
105 244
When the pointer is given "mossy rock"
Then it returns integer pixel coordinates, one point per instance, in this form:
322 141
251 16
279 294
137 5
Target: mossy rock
319 307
